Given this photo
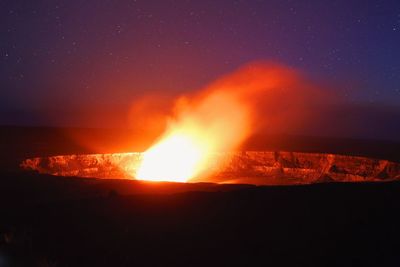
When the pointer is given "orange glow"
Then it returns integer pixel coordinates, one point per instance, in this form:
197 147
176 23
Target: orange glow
220 118
215 123
160 165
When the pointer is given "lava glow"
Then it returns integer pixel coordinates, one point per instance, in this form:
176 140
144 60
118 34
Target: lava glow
215 122
159 164
217 119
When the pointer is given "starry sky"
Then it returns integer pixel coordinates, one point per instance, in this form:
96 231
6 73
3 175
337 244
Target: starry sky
64 56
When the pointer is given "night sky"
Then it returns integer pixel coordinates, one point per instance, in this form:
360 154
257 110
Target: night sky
67 56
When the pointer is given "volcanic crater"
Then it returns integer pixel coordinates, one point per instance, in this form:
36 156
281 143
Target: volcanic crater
246 167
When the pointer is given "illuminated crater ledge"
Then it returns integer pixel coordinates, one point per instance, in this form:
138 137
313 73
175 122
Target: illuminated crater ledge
252 167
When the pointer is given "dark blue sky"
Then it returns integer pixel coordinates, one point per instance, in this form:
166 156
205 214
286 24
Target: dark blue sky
66 55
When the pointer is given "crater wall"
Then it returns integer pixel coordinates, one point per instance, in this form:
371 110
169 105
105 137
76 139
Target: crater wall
254 167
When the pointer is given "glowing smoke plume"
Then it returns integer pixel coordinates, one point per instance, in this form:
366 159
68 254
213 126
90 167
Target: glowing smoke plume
219 118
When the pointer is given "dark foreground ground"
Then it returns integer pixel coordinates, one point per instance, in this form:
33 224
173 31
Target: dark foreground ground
55 221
